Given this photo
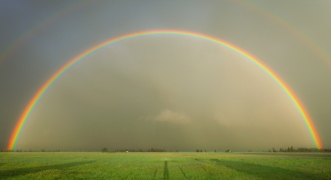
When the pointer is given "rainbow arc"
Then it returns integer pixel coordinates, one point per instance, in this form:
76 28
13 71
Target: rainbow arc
33 102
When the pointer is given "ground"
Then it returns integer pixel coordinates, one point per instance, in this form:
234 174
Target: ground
165 165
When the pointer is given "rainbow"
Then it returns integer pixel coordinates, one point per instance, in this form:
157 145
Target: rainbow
29 108
25 37
319 51
300 35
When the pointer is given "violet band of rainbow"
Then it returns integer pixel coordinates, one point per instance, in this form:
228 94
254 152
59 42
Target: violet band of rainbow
29 108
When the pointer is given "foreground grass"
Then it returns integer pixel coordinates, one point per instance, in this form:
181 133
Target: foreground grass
193 165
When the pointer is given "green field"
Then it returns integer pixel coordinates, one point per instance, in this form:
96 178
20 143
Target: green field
192 165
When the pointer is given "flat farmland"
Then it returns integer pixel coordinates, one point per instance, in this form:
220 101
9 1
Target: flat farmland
165 165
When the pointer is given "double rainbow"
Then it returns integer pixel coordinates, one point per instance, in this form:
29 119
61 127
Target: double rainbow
25 115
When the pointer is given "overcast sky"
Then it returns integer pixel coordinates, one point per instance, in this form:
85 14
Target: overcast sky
165 91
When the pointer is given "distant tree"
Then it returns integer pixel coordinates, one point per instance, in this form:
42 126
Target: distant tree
215 150
200 150
228 150
205 150
104 150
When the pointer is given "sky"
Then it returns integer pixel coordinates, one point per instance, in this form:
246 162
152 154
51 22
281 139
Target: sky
165 91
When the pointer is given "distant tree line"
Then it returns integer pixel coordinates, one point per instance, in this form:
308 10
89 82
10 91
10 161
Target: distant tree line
201 150
299 149
214 150
20 150
288 149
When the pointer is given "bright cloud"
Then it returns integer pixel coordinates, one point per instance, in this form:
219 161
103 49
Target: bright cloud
170 116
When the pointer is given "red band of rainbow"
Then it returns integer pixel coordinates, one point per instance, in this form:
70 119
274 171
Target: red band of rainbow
23 118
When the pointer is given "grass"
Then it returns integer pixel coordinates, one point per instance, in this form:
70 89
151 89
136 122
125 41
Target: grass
191 165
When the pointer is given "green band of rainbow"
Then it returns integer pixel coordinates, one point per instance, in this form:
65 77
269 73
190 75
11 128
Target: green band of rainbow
54 77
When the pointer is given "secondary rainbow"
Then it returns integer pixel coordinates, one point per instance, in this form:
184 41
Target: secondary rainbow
256 7
29 108
43 24
318 50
